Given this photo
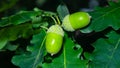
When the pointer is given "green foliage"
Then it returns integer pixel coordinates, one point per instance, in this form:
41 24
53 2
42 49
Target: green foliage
106 53
11 33
35 57
32 26
103 18
20 25
20 17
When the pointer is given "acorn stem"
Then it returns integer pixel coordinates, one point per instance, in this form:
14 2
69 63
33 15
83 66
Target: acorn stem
54 19
58 20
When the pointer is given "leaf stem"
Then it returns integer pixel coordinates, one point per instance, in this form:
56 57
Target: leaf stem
116 46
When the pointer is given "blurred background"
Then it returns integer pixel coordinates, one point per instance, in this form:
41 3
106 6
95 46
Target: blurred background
9 7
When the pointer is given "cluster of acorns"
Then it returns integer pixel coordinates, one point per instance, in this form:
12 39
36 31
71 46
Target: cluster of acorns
55 33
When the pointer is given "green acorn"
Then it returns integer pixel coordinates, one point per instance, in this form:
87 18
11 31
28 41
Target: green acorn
76 21
54 39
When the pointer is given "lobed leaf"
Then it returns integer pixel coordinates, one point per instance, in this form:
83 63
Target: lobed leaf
62 11
103 18
37 52
107 52
21 17
11 33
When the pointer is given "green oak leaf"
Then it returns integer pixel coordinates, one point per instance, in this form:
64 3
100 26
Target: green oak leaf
62 11
19 18
103 18
11 33
106 53
33 59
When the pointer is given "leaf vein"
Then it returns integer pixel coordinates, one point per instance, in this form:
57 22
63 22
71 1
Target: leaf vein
37 57
64 58
116 46
105 14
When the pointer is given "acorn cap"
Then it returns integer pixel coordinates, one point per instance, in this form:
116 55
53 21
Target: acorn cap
56 29
66 24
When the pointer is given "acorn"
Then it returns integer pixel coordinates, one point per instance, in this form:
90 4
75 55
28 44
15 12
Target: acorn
76 21
54 39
